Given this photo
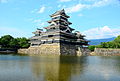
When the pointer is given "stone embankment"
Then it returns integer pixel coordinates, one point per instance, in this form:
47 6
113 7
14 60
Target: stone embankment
106 52
55 49
42 49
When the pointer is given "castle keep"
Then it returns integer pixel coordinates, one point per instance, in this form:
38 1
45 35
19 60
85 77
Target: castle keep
57 39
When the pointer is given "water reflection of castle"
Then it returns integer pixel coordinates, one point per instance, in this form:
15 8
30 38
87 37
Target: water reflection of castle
59 69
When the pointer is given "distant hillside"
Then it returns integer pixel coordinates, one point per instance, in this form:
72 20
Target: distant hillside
98 41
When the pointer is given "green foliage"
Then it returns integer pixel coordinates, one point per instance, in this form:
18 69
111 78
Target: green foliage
117 39
14 44
92 47
8 41
5 40
112 44
23 42
98 46
0 41
105 44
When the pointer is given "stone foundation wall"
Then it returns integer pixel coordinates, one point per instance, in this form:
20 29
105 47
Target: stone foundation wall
56 49
106 52
42 49
85 51
67 49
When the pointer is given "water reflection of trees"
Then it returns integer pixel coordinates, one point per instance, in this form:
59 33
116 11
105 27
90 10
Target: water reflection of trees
57 68
112 62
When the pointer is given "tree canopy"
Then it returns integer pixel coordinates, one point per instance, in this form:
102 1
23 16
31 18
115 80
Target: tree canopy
8 41
112 44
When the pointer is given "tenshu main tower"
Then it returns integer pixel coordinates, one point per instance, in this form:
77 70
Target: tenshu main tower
58 37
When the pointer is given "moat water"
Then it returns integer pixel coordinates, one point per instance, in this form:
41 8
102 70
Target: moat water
54 68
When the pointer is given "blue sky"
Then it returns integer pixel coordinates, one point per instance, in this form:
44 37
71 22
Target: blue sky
94 18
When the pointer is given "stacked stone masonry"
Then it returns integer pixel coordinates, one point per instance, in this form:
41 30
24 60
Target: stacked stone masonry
56 49
42 49
106 51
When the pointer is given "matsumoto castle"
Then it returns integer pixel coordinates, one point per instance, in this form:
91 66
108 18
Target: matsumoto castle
58 31
58 38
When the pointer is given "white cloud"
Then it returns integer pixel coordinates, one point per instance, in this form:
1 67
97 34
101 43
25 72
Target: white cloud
37 21
42 9
101 32
76 8
41 25
33 11
65 0
96 3
15 32
3 1
59 5
80 14
102 3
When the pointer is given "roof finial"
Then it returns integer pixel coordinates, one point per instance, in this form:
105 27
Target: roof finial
63 9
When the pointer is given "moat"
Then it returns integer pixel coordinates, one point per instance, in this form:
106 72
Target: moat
59 68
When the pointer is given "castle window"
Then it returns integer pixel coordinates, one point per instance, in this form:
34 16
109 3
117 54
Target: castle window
68 31
53 28
50 35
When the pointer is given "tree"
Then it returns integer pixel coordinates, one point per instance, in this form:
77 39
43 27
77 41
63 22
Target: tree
92 47
117 39
5 40
98 46
0 41
112 44
23 42
14 43
8 41
117 42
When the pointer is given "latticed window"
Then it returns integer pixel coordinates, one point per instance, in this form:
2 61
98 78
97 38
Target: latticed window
50 35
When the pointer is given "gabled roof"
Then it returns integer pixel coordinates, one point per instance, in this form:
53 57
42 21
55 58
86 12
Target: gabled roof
38 31
61 12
